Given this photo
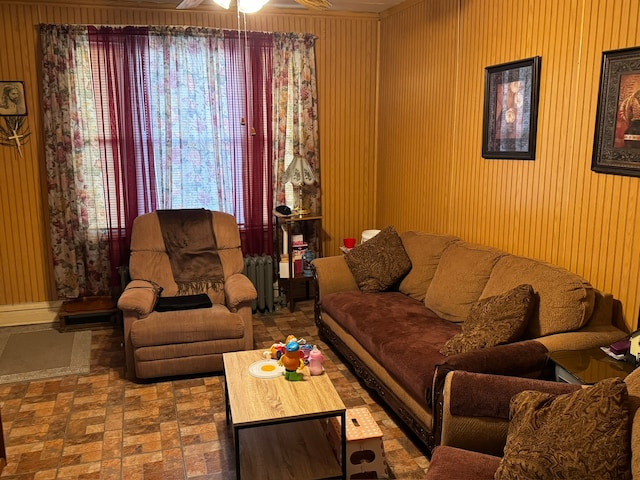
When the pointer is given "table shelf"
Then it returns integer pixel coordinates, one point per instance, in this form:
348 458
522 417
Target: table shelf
310 227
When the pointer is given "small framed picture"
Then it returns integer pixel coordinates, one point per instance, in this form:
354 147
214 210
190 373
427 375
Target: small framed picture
510 120
12 101
616 146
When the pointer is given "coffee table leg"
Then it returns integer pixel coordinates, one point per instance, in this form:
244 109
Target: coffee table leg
227 407
344 445
236 442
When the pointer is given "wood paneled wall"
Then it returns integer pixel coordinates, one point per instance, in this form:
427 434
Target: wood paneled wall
409 156
347 56
431 172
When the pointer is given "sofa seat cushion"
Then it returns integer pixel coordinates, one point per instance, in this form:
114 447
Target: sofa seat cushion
398 331
187 326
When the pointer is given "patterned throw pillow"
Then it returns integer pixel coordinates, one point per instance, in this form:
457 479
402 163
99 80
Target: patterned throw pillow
584 434
379 263
494 320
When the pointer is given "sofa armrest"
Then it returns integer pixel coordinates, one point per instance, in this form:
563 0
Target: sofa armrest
238 289
333 275
139 298
475 408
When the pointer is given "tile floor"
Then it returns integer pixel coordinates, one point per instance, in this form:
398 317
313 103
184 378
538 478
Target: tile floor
102 426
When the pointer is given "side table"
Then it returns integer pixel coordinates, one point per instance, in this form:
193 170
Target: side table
310 226
585 367
88 312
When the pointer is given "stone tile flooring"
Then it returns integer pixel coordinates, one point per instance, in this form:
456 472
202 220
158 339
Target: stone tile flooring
102 426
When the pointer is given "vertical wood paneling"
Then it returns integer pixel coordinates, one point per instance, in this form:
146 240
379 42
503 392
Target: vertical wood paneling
554 208
346 66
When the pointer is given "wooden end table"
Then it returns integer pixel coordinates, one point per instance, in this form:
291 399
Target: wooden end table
585 367
287 438
88 312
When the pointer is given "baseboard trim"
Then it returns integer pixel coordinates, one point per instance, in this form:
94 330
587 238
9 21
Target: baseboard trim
29 313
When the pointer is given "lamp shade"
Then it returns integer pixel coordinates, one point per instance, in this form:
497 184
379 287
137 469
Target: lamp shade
251 6
223 3
299 172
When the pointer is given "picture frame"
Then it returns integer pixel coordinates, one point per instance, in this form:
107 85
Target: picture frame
12 99
616 146
510 117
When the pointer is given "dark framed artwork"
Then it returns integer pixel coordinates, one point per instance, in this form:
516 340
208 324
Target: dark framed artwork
616 146
510 122
12 101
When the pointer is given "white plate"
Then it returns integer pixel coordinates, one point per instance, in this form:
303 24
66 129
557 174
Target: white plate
266 369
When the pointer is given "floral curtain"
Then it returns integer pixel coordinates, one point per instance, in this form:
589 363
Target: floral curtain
79 244
295 113
140 118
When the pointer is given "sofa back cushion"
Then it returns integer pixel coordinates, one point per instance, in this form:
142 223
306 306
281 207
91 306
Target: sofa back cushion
565 300
460 279
424 250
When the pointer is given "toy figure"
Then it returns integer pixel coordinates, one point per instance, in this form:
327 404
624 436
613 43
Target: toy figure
292 362
277 349
315 361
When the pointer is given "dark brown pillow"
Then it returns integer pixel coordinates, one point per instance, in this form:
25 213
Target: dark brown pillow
584 434
380 262
494 320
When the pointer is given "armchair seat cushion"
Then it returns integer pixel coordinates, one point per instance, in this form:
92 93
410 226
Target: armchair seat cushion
187 326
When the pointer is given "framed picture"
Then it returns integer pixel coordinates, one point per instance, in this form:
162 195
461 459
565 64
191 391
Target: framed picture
616 146
510 123
12 102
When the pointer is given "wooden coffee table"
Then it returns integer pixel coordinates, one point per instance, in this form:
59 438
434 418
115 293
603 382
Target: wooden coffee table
286 437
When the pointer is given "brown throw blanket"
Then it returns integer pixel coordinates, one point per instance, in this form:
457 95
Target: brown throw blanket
191 245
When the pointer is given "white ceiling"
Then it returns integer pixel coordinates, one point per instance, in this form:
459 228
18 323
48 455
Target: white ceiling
375 6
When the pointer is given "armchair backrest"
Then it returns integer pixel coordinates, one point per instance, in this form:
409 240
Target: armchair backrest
149 259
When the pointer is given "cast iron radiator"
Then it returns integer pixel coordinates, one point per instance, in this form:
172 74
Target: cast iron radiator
259 269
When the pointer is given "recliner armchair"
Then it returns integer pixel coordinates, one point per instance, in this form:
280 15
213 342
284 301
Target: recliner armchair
191 341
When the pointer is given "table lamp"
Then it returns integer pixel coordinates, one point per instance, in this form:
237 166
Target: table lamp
299 173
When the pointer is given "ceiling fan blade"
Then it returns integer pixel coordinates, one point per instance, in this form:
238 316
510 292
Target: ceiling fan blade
186 4
315 4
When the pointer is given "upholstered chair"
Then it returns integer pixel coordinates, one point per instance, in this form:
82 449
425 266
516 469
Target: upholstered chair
505 427
189 334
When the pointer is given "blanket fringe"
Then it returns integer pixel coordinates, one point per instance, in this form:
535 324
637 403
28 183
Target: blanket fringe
199 286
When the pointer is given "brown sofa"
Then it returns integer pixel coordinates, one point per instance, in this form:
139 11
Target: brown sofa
179 342
393 338
477 431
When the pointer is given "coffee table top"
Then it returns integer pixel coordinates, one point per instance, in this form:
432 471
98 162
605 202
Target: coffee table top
260 401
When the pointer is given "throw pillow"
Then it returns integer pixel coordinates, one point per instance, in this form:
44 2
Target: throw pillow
584 434
379 263
494 320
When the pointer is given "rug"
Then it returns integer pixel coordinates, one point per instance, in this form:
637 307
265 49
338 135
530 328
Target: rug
34 352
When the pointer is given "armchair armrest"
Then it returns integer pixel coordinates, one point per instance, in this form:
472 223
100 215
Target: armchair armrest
475 408
527 358
238 289
333 275
139 297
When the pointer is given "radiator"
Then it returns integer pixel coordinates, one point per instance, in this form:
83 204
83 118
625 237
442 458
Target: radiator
259 269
